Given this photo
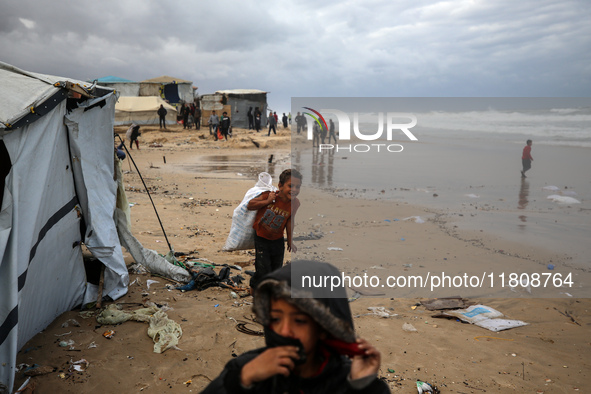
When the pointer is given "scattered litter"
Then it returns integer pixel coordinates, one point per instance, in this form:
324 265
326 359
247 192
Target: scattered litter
354 297
409 328
416 219
486 336
80 365
61 335
67 343
150 282
188 382
92 345
483 316
472 195
311 236
563 199
568 294
216 305
390 370
38 370
109 334
381 311
424 387
72 322
377 267
444 303
335 249
402 239
387 220
164 331
407 265
550 266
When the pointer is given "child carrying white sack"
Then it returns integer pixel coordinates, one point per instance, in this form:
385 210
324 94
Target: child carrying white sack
241 235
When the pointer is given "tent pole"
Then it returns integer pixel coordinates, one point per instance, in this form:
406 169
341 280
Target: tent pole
147 191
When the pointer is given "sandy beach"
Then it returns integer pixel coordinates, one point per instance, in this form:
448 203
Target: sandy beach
197 182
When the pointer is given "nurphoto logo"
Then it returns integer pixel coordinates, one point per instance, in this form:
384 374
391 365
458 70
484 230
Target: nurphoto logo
390 119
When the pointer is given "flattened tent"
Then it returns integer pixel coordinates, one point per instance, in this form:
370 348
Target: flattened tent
142 110
58 191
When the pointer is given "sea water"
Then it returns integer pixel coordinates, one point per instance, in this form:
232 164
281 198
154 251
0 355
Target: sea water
467 164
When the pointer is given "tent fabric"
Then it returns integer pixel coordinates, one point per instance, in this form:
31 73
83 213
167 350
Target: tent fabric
62 174
171 93
142 110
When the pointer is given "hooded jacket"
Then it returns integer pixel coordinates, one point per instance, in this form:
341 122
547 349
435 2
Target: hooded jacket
332 314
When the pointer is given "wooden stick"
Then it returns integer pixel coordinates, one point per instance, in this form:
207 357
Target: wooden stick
101 286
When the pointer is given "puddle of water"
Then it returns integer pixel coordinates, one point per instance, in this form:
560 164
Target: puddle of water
239 165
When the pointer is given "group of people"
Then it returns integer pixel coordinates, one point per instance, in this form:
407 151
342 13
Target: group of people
220 128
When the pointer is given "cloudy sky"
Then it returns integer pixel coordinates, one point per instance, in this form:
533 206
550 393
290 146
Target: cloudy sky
304 48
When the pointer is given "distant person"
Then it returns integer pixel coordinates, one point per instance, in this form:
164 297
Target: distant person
132 135
526 158
162 115
250 117
276 118
197 118
315 135
184 115
331 131
225 124
272 124
257 119
213 124
284 119
300 122
289 117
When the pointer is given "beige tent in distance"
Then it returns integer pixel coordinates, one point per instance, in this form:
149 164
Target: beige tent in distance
142 110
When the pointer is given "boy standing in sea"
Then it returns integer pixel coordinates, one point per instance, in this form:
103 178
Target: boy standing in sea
526 158
275 212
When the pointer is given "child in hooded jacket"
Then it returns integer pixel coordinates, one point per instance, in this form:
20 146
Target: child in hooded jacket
311 345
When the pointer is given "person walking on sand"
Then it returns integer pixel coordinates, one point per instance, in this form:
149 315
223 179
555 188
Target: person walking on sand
272 124
213 124
331 131
284 119
225 124
133 132
275 213
162 115
526 158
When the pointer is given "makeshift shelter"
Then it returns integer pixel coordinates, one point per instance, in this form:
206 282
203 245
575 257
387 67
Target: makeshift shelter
59 184
173 90
237 103
142 110
122 86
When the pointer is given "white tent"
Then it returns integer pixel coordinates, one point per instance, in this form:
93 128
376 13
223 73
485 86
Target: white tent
142 110
59 191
